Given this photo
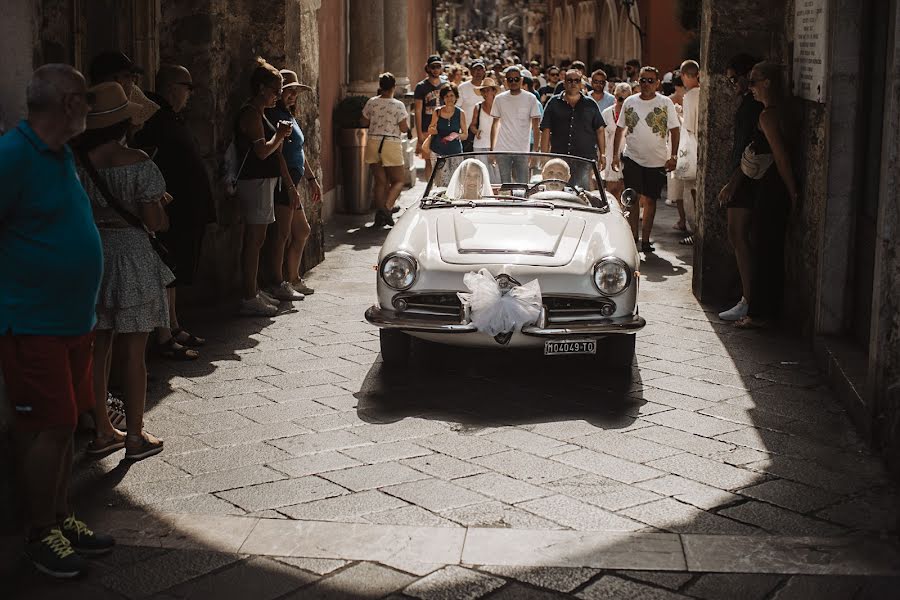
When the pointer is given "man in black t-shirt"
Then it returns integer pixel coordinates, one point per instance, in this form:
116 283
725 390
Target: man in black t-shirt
426 98
550 89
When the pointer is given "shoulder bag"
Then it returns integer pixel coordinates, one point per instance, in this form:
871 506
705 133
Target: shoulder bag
116 205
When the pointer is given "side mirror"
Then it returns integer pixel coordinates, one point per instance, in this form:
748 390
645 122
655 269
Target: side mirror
629 197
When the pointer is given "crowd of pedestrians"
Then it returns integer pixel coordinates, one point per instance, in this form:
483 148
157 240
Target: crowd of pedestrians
641 126
108 198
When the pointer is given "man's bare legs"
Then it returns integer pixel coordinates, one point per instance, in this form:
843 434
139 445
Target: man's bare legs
649 206
44 467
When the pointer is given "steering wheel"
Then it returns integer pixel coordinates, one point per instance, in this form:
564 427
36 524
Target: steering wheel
534 188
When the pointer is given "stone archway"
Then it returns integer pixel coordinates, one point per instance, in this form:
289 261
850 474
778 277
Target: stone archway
629 37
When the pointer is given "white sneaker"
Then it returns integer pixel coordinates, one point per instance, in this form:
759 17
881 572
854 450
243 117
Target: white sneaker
257 307
736 312
302 287
670 202
284 291
269 298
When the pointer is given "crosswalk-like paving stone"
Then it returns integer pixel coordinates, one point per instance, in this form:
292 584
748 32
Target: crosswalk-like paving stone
348 509
682 440
734 586
362 580
295 410
443 466
697 389
257 432
526 440
672 581
282 493
454 583
630 448
810 473
600 491
461 447
223 459
790 495
158 573
319 566
314 463
578 515
386 452
695 423
410 515
670 515
608 466
516 591
780 521
497 514
503 488
369 477
707 471
312 443
560 579
435 494
610 587
527 467
689 491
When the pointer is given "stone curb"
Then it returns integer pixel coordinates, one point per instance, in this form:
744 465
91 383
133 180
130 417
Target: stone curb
508 547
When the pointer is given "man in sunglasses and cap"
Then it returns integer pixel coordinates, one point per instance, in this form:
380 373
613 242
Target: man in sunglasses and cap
426 100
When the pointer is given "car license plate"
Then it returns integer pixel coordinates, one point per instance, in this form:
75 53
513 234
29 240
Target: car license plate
570 347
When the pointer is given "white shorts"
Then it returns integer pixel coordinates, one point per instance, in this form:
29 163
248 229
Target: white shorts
257 200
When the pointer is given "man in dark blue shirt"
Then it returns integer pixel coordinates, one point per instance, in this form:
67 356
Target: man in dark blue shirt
576 129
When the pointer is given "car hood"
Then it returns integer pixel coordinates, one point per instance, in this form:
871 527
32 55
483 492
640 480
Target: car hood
474 236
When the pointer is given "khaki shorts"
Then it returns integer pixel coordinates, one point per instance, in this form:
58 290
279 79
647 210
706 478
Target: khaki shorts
384 150
257 200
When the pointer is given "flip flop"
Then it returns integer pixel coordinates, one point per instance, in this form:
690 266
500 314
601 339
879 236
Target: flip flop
104 445
688 241
174 350
192 341
149 446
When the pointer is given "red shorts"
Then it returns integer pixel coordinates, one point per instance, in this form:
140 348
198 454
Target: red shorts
49 379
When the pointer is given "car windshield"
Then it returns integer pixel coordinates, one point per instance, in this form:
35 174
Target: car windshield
512 175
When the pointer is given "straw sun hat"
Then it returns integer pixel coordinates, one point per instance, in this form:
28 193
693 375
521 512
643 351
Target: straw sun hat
487 83
111 106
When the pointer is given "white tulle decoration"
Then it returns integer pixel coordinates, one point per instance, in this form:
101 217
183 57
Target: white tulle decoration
493 312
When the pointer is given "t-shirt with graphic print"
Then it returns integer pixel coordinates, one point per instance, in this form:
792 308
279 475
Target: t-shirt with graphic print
648 123
385 116
427 92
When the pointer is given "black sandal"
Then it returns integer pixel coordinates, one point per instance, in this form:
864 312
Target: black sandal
192 340
175 351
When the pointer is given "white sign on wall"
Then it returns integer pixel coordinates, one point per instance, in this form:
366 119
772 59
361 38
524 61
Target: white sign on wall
810 48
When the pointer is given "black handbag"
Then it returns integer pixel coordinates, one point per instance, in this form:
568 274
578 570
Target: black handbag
114 203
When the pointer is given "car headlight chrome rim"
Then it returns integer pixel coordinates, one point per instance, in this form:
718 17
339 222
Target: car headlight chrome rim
611 276
399 271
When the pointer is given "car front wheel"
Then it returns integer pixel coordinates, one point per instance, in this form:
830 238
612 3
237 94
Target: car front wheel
617 351
394 348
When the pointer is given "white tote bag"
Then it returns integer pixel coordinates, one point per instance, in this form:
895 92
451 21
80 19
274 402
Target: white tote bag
686 166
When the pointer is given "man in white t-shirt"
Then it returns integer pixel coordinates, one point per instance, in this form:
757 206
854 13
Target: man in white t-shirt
468 99
650 119
517 116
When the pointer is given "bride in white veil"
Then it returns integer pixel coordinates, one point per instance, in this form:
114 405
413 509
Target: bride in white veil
470 181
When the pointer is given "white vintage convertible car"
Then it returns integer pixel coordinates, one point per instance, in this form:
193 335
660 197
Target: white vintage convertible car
575 241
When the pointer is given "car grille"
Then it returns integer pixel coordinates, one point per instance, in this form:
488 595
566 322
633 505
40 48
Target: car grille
437 303
559 308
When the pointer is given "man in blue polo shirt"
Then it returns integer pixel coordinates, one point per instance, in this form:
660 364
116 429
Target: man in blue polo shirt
48 244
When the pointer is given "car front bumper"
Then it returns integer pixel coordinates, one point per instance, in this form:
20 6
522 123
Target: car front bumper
390 319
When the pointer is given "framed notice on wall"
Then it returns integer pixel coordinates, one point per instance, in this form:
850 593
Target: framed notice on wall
810 49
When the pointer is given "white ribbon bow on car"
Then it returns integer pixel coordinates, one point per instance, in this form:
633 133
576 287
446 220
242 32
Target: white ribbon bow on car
494 312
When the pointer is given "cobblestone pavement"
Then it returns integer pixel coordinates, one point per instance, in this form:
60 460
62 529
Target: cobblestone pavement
721 468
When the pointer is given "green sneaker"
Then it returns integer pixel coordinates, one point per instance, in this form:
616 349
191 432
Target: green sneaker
83 540
53 555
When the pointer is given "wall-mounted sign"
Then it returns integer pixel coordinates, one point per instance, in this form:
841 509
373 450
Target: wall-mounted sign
810 48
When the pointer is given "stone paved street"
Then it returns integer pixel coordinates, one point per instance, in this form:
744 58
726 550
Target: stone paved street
294 468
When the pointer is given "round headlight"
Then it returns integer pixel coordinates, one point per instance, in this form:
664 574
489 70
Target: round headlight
399 271
611 276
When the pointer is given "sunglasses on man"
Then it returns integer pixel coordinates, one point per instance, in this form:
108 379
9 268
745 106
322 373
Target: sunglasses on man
571 80
598 82
513 79
647 80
